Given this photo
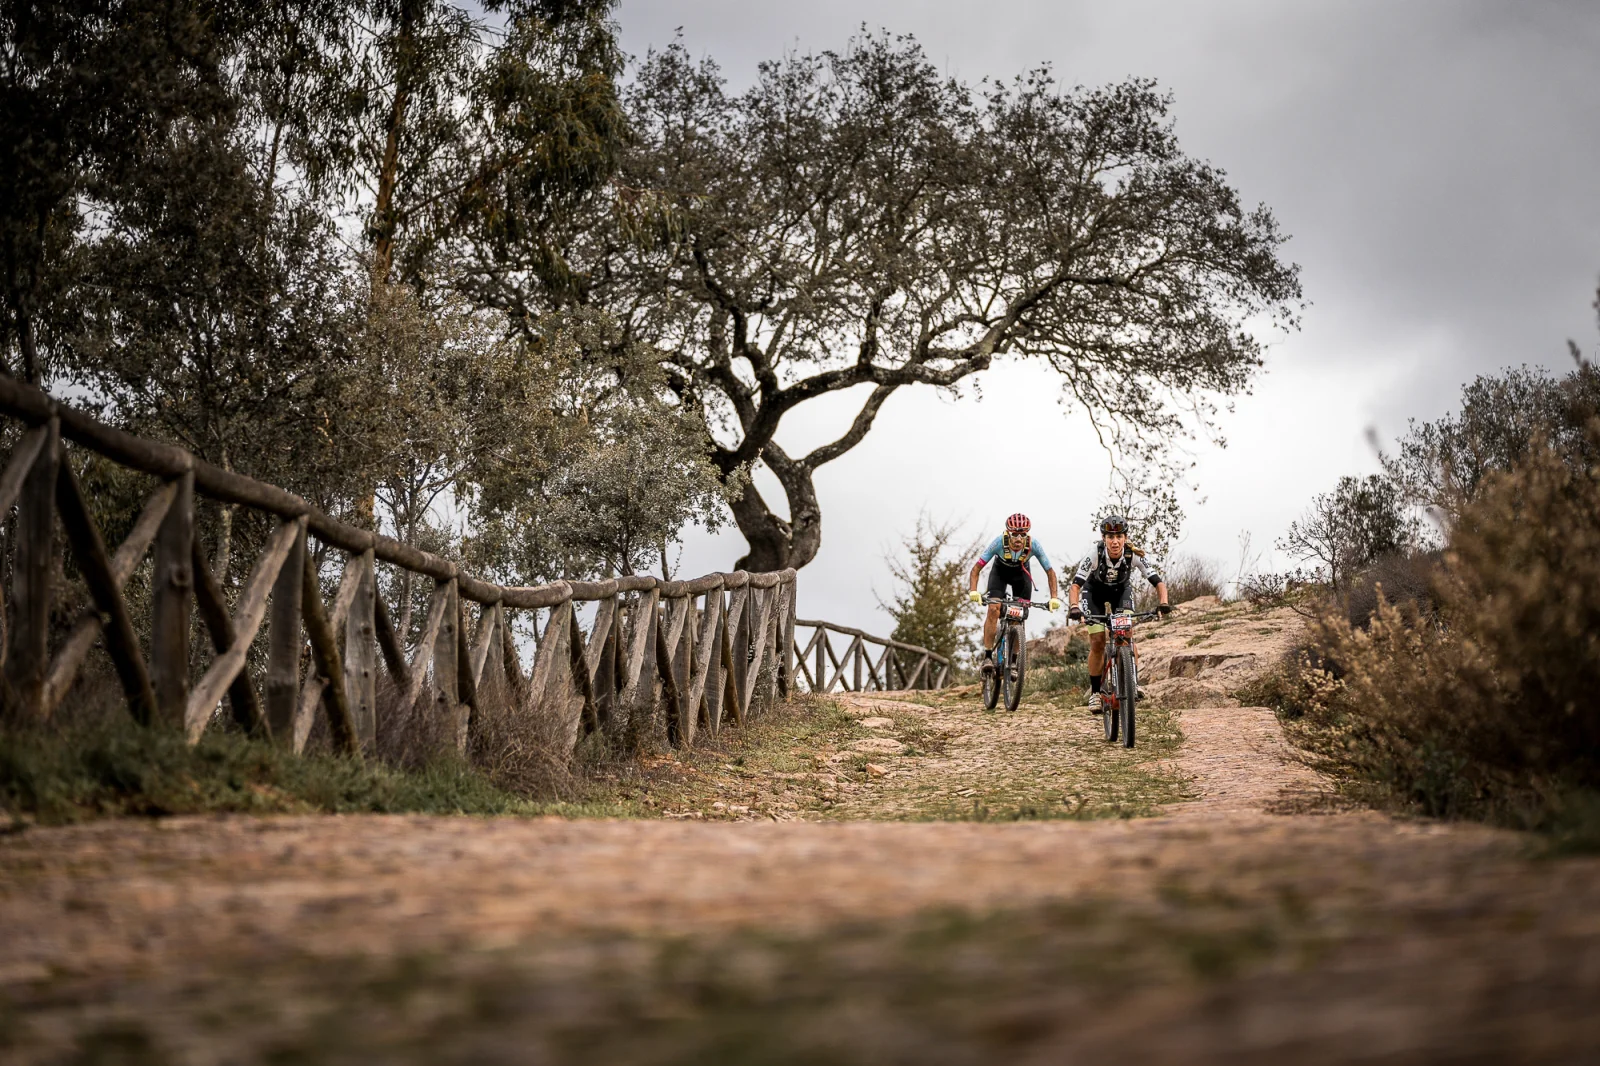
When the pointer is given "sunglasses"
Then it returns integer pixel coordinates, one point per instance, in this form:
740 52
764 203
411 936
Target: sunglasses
1015 535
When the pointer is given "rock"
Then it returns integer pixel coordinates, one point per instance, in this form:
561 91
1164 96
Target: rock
876 723
1200 603
1183 693
1197 665
882 745
874 770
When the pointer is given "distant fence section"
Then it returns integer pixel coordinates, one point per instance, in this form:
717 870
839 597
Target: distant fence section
690 655
850 666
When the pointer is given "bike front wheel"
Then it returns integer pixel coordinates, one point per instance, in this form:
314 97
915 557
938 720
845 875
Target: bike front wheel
1108 699
1016 666
1127 691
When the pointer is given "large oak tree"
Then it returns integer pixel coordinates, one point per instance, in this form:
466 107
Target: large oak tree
856 218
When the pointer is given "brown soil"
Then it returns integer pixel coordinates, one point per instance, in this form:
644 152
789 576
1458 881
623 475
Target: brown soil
1234 925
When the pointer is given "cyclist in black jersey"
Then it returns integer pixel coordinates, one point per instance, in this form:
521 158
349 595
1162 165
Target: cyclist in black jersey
1106 576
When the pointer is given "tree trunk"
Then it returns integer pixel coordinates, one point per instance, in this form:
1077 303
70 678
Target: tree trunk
384 217
776 544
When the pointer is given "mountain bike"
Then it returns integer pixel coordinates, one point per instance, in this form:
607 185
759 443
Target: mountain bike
1010 653
1119 692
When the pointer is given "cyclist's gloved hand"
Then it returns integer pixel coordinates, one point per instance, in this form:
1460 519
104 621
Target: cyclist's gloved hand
1164 608
1075 613
975 596
1055 605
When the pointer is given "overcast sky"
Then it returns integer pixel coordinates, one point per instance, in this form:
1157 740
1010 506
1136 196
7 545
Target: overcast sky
1434 162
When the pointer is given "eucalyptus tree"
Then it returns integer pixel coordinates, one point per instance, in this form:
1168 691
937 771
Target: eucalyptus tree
89 89
856 220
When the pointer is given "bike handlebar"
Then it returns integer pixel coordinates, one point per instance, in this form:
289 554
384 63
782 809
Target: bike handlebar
1041 604
1137 616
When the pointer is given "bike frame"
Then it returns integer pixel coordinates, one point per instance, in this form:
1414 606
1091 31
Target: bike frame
1120 625
1013 612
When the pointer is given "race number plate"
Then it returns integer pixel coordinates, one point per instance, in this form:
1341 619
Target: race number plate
1121 623
1014 611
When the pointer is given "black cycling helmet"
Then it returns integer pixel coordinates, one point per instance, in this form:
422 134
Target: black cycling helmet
1113 523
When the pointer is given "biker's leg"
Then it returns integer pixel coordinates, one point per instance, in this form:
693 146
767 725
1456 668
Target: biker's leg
1097 659
991 622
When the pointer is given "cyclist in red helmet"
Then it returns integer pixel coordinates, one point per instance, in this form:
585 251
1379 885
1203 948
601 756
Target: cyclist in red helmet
1011 553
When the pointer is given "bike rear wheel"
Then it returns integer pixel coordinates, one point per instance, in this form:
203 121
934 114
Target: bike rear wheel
1127 691
991 680
1016 665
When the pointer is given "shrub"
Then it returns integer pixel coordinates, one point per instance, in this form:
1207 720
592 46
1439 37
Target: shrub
1403 577
1486 709
1190 577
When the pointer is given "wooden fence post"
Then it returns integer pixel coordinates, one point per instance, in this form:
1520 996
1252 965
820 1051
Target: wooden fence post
172 597
823 651
787 681
445 674
715 682
285 642
360 658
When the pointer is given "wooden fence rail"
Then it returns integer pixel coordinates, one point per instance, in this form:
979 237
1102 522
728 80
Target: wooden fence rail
684 655
899 666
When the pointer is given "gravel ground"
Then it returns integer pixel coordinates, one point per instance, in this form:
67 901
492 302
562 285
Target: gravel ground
1231 927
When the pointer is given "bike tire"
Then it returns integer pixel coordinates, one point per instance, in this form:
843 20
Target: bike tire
1108 699
1128 692
991 681
1016 666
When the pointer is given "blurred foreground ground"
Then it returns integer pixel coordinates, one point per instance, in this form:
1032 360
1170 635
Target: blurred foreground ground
1237 924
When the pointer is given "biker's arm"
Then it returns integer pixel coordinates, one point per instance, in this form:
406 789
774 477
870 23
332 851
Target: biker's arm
972 578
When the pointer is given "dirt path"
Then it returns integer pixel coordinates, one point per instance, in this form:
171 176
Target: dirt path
1215 930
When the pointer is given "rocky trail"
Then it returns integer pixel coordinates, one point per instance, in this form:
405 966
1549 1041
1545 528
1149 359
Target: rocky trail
921 881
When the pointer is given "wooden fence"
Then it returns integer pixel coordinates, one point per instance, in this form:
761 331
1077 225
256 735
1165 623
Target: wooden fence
690 654
899 666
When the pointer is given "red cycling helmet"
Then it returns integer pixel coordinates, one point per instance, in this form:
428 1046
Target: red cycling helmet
1018 522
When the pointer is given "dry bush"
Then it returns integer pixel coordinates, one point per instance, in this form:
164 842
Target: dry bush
1297 588
527 754
1403 577
410 736
1487 709
1190 577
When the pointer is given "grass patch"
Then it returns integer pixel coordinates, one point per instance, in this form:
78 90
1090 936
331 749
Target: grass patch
117 768
765 766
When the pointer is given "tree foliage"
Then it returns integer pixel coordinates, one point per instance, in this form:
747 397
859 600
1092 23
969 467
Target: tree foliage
277 237
858 220
929 605
1443 464
1359 522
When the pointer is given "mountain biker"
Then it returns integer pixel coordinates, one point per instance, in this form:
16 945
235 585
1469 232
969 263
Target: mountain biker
1011 553
1105 576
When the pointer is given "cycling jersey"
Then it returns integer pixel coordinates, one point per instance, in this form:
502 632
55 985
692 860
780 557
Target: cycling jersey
998 547
1100 568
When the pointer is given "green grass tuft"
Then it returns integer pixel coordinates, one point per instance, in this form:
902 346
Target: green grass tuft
118 768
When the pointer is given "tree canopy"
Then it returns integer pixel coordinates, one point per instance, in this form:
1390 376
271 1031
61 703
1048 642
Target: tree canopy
858 219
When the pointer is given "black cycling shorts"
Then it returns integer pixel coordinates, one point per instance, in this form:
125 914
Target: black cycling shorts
1096 595
1002 574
